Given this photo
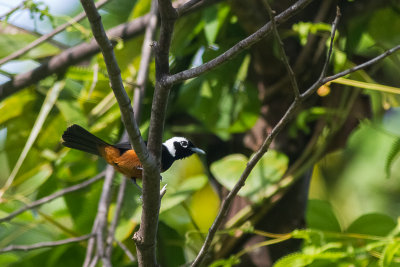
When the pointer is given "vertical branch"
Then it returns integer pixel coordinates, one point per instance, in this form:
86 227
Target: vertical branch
139 93
145 238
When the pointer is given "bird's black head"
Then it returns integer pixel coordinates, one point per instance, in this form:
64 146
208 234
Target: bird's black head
177 148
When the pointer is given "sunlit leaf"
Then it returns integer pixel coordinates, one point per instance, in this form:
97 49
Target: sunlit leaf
204 206
372 224
321 216
268 170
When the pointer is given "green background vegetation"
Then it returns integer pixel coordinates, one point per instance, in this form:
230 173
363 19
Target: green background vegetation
352 214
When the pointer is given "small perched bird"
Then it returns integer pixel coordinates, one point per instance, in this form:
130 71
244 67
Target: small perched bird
121 156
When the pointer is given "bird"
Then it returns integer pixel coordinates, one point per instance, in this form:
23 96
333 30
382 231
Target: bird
121 155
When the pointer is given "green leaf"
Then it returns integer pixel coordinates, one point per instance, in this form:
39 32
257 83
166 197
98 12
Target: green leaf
82 206
294 260
389 20
372 224
10 43
394 151
231 261
204 207
185 179
236 102
71 112
170 247
214 17
388 254
320 216
8 259
268 170
183 192
32 180
14 106
84 74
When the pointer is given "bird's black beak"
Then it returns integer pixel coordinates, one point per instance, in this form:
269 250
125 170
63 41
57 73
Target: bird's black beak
197 150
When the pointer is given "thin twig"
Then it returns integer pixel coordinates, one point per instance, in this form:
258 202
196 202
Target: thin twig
126 250
114 223
46 37
145 60
45 244
239 47
93 263
282 52
77 54
186 6
363 65
70 57
251 164
163 191
8 13
49 198
102 214
91 244
333 32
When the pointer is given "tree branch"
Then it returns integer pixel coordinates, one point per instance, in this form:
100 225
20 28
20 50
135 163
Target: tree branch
239 47
49 35
282 52
114 223
76 54
45 244
12 10
117 85
49 198
252 163
186 6
145 238
101 218
69 57
91 244
275 131
145 60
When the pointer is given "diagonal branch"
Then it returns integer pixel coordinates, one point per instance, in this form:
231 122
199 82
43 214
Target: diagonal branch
239 47
117 85
53 196
12 10
76 54
252 163
45 244
49 35
69 57
275 131
282 52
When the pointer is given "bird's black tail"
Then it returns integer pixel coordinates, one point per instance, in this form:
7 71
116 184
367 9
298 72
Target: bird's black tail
78 138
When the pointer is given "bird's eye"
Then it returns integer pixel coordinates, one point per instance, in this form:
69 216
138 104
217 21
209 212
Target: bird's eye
184 143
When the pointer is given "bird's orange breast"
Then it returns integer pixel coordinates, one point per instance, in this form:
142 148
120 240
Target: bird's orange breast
126 163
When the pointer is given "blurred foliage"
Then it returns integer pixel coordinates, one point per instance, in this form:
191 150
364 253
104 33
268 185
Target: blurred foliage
351 221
